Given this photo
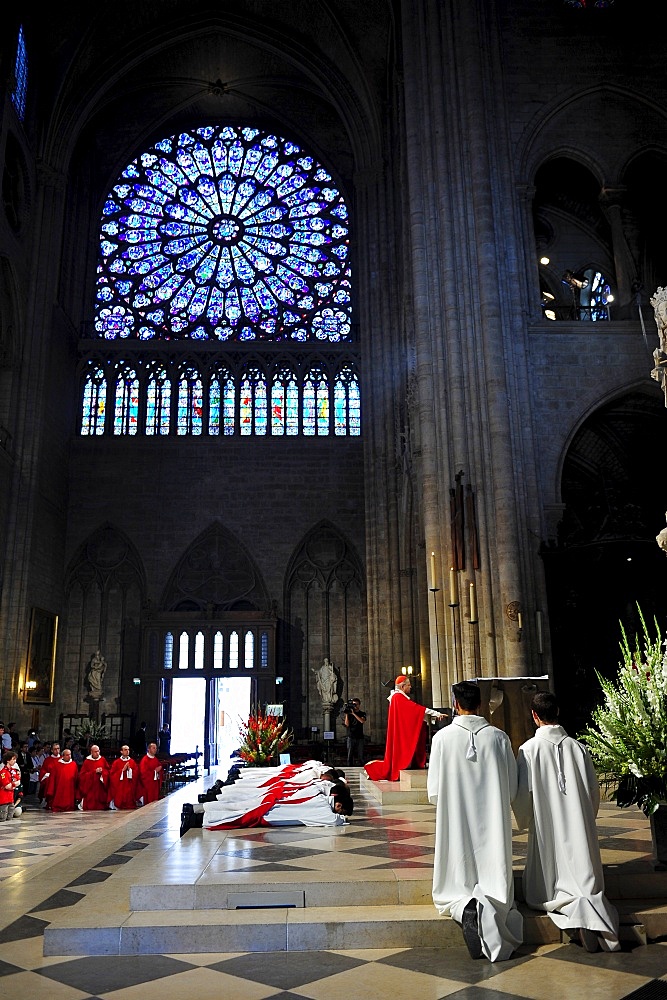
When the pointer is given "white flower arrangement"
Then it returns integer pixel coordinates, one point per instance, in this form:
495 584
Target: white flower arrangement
628 735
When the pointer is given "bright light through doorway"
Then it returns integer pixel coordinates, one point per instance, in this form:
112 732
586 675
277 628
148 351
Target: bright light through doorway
233 708
187 714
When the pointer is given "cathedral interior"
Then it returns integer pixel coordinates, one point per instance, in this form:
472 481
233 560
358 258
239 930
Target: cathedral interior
326 331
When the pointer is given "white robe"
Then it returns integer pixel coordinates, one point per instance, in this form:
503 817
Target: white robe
308 805
558 800
471 780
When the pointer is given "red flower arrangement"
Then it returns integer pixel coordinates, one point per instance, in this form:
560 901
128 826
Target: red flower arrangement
263 738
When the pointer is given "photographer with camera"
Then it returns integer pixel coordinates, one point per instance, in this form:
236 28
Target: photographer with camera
353 720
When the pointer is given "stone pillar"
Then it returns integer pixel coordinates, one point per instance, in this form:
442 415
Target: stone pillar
470 338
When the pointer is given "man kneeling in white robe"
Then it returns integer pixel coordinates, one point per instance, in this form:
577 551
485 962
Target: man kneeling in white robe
558 800
472 780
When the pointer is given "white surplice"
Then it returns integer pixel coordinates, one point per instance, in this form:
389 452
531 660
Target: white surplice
558 800
472 780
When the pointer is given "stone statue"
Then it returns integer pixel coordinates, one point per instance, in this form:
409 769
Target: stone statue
95 675
327 682
659 373
661 539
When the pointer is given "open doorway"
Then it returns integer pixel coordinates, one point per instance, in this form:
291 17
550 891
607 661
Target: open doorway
188 707
232 708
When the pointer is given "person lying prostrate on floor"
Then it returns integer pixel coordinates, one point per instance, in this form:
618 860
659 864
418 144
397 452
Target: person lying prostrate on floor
319 803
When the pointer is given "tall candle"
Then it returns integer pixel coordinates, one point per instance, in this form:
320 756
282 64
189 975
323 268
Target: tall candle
519 620
433 583
540 640
473 604
453 588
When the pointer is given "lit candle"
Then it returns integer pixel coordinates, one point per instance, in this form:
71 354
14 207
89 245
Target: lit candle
433 583
519 621
473 604
453 588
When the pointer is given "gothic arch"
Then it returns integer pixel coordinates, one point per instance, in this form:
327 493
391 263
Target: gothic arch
325 605
217 572
105 588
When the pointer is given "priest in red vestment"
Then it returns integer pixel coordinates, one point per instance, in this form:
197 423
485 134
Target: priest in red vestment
406 735
45 784
64 784
150 775
124 782
94 781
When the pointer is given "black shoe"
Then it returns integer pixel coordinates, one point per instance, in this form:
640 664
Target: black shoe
470 927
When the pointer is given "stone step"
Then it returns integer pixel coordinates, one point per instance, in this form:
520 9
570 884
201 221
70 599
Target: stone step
410 789
400 887
294 929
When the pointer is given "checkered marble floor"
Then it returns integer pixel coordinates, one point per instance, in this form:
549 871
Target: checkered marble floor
48 862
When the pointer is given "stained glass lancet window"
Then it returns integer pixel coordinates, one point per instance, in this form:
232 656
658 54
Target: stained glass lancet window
126 410
252 411
224 233
190 403
94 402
316 403
158 402
20 83
284 403
347 403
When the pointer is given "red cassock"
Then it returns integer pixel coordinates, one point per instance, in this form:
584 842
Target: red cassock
63 785
150 779
94 787
406 740
124 784
45 781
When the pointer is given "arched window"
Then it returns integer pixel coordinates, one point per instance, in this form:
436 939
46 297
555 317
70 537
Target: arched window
19 91
234 650
264 650
94 402
126 409
183 651
284 403
222 400
158 402
218 649
249 652
347 404
190 403
316 403
252 408
199 651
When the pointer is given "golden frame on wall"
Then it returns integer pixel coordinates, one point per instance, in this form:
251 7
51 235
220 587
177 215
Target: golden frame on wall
41 662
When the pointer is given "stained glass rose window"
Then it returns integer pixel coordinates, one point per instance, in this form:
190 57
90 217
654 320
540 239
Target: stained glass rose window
228 234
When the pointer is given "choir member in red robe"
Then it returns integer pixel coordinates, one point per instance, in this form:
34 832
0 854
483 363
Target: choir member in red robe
94 781
64 783
406 735
45 784
150 775
124 781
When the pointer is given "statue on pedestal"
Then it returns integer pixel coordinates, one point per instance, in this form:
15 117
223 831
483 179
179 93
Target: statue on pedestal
327 683
95 676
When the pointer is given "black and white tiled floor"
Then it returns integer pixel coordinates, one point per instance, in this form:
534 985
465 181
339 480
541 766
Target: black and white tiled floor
48 862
